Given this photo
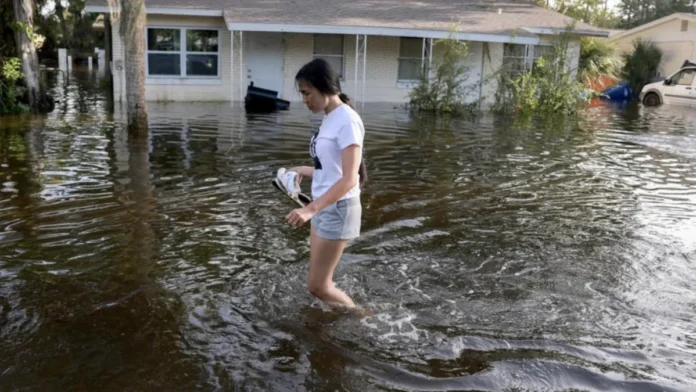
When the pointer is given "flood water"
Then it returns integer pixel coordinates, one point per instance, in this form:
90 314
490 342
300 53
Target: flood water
496 255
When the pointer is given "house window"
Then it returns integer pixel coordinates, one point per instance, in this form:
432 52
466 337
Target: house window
684 25
520 58
515 58
330 48
410 59
183 52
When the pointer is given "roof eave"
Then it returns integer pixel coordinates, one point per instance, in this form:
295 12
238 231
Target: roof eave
160 11
381 31
554 31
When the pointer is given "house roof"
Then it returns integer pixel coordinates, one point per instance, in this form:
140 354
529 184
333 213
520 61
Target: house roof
381 17
668 18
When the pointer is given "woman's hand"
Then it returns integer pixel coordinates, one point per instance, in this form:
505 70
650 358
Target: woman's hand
302 171
299 217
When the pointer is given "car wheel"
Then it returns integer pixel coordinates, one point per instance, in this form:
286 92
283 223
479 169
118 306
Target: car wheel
651 99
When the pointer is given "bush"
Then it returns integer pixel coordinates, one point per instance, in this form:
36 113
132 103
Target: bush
547 87
10 90
446 91
642 65
598 58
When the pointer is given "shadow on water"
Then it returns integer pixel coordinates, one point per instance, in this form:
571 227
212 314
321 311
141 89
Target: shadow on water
496 255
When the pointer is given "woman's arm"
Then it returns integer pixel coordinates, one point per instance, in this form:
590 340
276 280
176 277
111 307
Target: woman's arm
351 161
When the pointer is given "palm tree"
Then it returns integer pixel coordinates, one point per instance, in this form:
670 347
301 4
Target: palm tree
598 59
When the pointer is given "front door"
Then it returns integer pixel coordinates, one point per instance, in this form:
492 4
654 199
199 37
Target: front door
265 60
681 87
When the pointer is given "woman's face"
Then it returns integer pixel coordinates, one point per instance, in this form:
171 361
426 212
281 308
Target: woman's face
316 101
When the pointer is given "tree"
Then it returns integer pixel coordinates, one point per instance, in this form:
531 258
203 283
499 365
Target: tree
638 12
594 12
132 30
24 16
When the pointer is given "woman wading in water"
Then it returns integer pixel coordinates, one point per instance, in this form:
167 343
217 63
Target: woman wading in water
337 178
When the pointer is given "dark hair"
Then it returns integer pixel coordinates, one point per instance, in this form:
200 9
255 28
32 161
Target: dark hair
321 75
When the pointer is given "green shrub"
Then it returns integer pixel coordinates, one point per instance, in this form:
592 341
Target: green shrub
598 58
547 87
10 90
445 90
642 64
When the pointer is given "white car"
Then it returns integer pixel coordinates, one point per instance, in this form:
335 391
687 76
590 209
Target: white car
679 88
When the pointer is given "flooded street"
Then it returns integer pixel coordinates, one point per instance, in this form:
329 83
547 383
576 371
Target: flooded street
497 256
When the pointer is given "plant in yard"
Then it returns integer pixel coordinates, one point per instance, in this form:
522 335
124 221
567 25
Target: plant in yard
546 86
10 90
445 89
642 64
598 59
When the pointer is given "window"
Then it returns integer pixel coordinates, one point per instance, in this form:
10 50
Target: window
520 58
684 78
515 58
330 48
182 52
410 59
685 25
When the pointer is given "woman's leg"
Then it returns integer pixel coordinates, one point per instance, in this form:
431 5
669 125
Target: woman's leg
324 257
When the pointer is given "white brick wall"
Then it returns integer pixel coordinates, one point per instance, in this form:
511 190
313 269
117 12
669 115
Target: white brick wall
381 76
492 61
573 57
298 51
171 89
382 67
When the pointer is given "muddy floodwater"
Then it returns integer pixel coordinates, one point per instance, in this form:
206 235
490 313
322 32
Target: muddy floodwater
496 255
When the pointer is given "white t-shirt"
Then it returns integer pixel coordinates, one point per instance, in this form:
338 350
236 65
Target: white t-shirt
339 129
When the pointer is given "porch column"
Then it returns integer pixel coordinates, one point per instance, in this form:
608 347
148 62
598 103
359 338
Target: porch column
231 67
427 55
239 47
360 53
241 66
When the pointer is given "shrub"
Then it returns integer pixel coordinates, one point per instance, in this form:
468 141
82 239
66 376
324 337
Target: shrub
642 64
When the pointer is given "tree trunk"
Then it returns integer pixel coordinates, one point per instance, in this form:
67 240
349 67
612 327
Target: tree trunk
133 34
24 13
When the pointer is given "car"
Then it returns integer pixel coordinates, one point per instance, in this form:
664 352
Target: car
680 88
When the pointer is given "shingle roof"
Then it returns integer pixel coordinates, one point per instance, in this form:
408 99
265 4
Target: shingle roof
475 16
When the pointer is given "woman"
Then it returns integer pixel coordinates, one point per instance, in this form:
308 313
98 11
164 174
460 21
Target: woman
337 178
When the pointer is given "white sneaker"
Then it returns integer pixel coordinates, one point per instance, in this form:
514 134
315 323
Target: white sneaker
288 182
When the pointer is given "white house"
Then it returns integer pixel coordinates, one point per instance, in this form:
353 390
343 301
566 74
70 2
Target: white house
210 50
674 34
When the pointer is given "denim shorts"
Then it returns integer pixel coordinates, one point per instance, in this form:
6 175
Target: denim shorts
339 221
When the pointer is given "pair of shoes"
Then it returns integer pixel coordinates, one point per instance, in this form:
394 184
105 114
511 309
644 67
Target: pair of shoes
288 182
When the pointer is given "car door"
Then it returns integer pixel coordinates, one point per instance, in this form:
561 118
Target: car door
681 87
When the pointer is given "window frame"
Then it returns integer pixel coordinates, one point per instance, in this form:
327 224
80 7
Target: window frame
342 55
530 56
183 52
422 58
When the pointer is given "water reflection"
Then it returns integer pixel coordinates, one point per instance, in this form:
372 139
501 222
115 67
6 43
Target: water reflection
497 255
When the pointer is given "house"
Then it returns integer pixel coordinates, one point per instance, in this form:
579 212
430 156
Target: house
210 50
674 34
